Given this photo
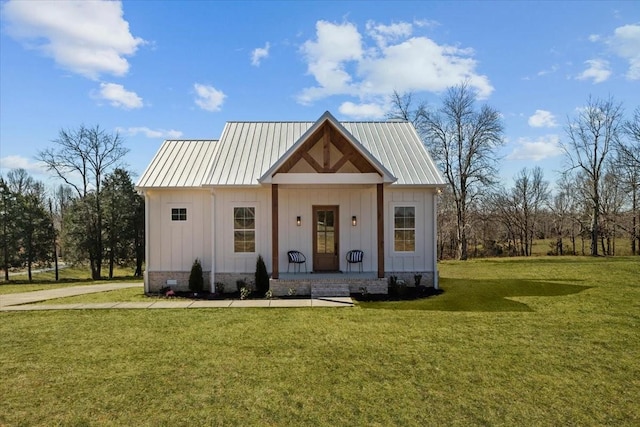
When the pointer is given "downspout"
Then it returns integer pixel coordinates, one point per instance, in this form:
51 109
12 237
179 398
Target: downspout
434 240
212 274
147 237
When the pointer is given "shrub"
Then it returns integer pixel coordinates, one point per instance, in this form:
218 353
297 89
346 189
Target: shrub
417 278
268 294
262 277
219 288
245 292
196 281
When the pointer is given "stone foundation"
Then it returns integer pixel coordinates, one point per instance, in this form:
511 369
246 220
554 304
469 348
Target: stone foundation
280 287
409 279
158 280
230 280
302 286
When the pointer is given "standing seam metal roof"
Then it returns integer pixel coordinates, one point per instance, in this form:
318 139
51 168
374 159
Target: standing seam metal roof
246 150
179 164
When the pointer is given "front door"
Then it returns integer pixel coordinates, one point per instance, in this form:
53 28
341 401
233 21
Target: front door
325 238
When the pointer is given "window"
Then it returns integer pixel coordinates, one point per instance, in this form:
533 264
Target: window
178 214
404 229
244 229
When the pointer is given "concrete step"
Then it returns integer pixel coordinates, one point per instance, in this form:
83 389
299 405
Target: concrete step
329 290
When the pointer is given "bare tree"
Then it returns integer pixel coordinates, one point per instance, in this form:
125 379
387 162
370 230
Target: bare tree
530 193
404 109
463 141
631 150
592 134
81 159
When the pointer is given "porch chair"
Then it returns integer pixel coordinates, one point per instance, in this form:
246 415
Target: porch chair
355 257
296 257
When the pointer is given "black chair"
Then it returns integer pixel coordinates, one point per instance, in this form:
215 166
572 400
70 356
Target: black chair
296 258
355 257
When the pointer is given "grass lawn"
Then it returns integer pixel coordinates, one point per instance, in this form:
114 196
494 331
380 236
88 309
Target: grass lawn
71 276
542 341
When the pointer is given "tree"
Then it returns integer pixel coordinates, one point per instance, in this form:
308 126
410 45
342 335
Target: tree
121 218
34 227
530 192
196 280
262 276
592 134
463 141
631 150
404 109
8 216
27 230
87 155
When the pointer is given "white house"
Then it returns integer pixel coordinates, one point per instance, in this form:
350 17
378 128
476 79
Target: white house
322 188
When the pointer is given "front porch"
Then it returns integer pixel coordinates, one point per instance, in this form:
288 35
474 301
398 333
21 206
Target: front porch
327 284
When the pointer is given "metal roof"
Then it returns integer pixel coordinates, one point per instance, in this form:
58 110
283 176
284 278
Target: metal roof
179 164
247 150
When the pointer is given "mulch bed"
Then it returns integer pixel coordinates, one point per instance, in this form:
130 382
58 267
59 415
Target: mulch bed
402 294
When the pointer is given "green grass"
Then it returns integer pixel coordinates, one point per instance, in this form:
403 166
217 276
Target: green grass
568 353
119 295
71 276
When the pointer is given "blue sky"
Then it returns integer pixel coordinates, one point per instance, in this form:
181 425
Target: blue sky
155 70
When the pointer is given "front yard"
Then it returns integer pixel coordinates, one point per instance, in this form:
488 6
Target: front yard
551 341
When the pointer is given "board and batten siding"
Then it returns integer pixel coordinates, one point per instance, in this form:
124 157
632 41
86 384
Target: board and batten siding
358 201
423 258
225 200
179 243
176 244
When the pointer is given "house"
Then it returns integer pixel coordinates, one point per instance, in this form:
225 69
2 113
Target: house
322 188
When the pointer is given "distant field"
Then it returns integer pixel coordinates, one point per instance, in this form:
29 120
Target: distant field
538 341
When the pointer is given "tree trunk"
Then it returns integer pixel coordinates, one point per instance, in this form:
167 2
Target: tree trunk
594 231
111 264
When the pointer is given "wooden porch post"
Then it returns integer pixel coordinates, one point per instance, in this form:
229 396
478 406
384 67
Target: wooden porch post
380 209
274 232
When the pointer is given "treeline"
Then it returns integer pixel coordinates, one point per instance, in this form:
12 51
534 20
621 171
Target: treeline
95 217
593 208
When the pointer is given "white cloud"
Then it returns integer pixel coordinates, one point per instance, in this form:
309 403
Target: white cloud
594 37
336 44
383 34
259 53
550 70
598 70
625 43
208 97
542 118
86 37
362 111
151 133
19 162
119 97
536 149
343 63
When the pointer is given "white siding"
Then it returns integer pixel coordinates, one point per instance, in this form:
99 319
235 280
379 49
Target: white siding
423 257
225 200
360 202
176 244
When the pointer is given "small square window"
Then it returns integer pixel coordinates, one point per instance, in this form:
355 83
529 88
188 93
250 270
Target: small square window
178 214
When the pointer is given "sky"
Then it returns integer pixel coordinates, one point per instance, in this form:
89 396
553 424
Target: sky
155 70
